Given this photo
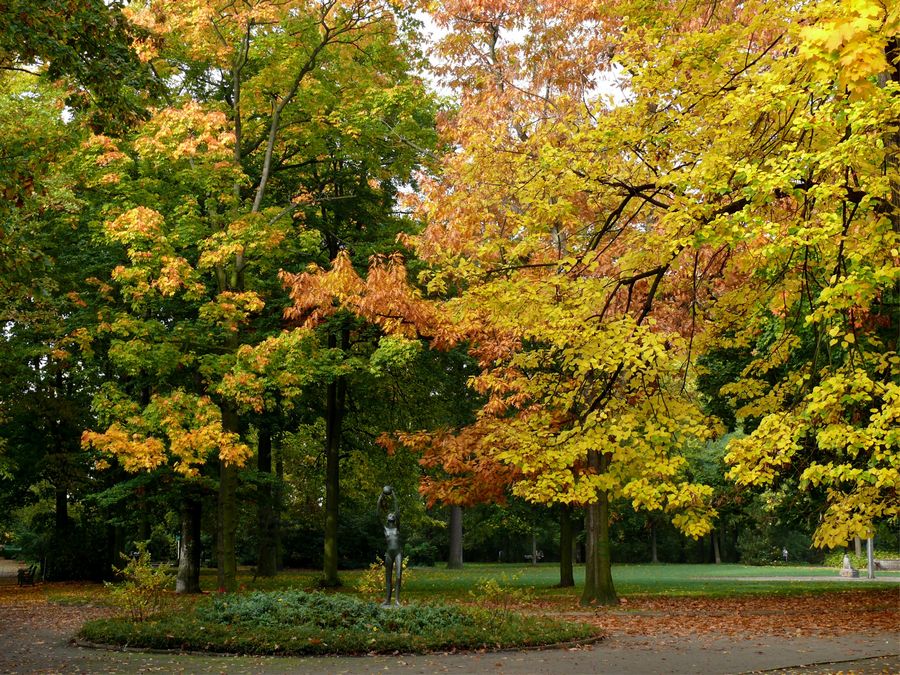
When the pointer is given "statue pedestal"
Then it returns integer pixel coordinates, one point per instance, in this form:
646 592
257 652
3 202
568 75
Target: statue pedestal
850 573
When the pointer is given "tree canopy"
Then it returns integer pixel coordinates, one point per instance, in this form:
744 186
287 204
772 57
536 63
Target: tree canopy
626 229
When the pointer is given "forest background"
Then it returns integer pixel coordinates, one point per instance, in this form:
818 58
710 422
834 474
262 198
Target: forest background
626 290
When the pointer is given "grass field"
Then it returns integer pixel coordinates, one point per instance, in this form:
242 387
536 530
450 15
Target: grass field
431 584
670 580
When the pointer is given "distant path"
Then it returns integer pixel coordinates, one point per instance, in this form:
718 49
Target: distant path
653 635
880 577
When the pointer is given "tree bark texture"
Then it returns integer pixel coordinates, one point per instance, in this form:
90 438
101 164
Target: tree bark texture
267 530
279 500
188 578
598 583
566 547
334 418
227 513
455 557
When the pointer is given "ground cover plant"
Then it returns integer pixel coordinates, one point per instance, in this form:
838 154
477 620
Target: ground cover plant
300 622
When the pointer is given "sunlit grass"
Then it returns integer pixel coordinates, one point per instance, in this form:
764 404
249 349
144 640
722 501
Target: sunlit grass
435 584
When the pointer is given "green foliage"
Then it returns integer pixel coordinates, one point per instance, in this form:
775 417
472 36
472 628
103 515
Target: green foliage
320 610
836 558
295 622
371 583
499 595
143 586
421 552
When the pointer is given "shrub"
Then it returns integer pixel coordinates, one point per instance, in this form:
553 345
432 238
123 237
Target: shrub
836 558
324 611
142 589
422 553
371 583
297 622
499 596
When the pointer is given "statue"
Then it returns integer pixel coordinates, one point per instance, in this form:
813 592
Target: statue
393 555
847 569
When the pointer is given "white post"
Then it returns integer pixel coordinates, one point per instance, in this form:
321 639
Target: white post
870 555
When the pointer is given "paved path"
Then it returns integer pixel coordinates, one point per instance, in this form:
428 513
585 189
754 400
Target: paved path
50 651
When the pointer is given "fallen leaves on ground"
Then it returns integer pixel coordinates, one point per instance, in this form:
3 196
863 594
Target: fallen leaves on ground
33 630
813 614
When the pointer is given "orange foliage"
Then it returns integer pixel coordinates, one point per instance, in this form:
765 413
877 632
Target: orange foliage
384 297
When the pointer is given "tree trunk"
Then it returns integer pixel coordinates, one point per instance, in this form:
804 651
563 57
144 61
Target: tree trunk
857 544
115 547
226 534
62 509
717 555
334 417
279 501
534 549
654 557
566 547
455 559
267 552
598 583
188 579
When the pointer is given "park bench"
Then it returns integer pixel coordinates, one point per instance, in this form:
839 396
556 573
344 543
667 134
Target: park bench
25 577
887 565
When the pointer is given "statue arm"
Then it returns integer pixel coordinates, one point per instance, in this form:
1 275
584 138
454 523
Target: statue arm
378 507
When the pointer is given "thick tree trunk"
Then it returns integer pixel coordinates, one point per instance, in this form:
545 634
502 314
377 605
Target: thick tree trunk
857 545
188 578
227 514
566 547
334 417
717 555
654 558
455 557
598 583
267 551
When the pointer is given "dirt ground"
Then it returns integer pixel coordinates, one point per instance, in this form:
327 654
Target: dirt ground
848 632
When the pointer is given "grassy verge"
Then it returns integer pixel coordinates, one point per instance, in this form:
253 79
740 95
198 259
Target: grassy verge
297 623
725 580
438 584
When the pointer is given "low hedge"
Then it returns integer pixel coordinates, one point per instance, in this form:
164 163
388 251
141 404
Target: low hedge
836 558
297 623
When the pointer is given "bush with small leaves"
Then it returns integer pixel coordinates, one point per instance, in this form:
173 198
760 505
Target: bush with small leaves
142 590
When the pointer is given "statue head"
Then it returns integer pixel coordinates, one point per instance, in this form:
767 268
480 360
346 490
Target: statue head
392 518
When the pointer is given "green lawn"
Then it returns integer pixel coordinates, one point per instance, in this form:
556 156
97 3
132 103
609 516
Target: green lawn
432 583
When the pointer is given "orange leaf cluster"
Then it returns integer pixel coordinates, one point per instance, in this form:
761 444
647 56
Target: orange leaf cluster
385 297
463 472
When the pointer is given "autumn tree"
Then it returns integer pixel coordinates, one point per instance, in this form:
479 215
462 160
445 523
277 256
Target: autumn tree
684 209
572 294
819 310
286 125
46 251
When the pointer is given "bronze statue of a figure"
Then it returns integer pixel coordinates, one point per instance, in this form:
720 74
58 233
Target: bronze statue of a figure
393 554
